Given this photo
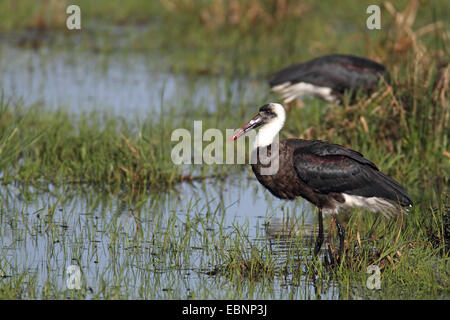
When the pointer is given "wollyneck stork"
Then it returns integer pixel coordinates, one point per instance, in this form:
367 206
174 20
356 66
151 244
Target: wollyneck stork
328 77
329 176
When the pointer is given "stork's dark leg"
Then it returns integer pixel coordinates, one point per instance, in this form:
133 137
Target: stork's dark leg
329 260
341 232
319 240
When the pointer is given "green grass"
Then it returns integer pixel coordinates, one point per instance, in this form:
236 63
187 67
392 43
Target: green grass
40 146
247 47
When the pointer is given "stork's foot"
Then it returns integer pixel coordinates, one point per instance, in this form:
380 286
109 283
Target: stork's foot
332 259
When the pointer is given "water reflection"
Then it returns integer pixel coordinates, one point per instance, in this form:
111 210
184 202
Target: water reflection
289 227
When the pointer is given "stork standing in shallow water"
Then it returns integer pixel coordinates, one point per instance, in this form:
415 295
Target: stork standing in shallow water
329 176
329 78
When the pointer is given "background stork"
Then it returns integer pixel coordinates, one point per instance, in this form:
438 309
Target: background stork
329 78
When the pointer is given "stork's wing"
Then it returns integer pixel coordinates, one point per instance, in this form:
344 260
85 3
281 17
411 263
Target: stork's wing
338 78
338 72
329 168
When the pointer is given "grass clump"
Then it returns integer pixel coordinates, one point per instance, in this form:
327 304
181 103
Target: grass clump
41 147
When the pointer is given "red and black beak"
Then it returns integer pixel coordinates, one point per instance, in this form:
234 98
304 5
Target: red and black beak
254 122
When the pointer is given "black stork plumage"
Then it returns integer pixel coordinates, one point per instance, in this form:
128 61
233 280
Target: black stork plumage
329 176
329 78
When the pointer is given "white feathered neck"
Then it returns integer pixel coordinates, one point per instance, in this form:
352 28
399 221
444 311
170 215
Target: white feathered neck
268 131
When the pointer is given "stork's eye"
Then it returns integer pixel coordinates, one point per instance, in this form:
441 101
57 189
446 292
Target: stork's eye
267 111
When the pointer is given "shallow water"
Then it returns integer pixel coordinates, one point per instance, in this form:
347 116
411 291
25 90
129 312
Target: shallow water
145 249
127 85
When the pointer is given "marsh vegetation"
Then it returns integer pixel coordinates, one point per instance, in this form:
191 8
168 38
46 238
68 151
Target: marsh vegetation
86 176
